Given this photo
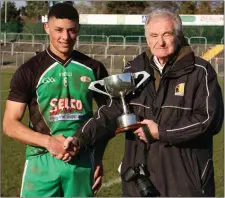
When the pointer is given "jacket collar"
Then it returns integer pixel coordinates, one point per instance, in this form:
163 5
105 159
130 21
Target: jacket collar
180 63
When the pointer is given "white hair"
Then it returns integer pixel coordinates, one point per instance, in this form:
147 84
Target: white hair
167 13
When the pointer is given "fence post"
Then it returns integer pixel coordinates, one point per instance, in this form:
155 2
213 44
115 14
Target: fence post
32 36
92 41
2 54
107 42
106 49
4 38
111 63
12 48
16 58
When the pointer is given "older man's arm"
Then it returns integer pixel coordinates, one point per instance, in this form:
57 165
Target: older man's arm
206 118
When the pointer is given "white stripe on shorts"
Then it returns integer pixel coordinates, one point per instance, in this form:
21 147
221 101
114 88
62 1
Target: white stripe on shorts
24 173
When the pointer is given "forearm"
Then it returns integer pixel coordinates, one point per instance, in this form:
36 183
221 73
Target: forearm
101 127
15 129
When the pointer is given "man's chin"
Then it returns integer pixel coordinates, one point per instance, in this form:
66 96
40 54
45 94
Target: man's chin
66 50
162 55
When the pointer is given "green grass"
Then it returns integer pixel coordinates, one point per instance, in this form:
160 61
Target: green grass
12 156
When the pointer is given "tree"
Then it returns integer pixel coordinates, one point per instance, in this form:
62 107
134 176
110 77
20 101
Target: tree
204 7
169 4
188 7
35 9
219 8
83 7
126 7
97 7
13 15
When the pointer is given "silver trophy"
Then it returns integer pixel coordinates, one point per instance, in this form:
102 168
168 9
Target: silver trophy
118 86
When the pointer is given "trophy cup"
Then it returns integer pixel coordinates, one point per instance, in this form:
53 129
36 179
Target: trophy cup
118 86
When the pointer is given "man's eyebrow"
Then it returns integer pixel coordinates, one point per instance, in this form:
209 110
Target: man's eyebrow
151 33
66 28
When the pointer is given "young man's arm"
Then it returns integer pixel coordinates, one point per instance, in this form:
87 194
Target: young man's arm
13 127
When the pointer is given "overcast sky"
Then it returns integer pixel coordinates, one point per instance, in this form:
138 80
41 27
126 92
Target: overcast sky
20 3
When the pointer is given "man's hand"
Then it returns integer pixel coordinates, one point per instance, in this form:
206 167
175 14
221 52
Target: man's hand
98 175
71 145
55 146
153 127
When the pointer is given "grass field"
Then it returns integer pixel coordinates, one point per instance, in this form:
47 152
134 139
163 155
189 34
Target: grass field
13 159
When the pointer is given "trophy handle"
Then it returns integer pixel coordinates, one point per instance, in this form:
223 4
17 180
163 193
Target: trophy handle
146 75
92 87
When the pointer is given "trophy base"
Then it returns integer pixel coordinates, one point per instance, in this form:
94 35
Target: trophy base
130 127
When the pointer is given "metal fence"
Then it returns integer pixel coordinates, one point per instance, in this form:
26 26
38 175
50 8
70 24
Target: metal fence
113 63
93 39
16 59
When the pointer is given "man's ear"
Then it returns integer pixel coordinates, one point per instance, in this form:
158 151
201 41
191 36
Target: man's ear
46 27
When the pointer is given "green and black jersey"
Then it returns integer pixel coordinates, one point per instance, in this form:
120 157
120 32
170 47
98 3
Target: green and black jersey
56 92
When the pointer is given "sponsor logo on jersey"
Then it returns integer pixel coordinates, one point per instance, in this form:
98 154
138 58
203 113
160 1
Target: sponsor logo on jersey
65 74
65 105
85 79
48 80
179 89
70 116
65 109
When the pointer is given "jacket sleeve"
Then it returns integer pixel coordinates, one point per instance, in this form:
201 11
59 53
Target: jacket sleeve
102 126
206 117
101 100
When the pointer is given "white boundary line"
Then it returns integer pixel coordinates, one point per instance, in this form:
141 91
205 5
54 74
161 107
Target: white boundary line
111 182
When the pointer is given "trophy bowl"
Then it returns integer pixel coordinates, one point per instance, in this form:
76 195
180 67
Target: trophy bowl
119 86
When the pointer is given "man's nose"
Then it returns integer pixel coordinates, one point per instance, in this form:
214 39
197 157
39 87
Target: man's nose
161 40
65 35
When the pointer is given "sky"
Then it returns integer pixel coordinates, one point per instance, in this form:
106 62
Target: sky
20 3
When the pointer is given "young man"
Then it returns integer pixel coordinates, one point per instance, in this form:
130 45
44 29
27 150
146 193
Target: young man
182 107
54 86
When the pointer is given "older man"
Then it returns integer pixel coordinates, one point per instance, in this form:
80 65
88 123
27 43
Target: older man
182 107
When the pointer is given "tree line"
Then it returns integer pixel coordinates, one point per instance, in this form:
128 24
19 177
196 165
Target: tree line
35 9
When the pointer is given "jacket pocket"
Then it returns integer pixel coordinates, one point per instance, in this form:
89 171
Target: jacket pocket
192 169
207 173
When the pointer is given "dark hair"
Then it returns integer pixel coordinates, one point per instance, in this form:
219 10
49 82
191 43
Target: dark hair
63 11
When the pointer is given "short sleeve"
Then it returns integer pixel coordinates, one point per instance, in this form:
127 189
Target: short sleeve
21 85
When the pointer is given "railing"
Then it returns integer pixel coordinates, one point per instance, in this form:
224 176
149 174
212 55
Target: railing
137 47
100 38
199 37
43 37
218 64
91 48
113 63
17 37
13 60
116 38
91 39
136 39
188 39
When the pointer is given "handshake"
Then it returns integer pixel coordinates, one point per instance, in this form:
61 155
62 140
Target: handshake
62 148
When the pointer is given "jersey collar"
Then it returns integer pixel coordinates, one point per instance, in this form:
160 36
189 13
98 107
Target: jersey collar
58 59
